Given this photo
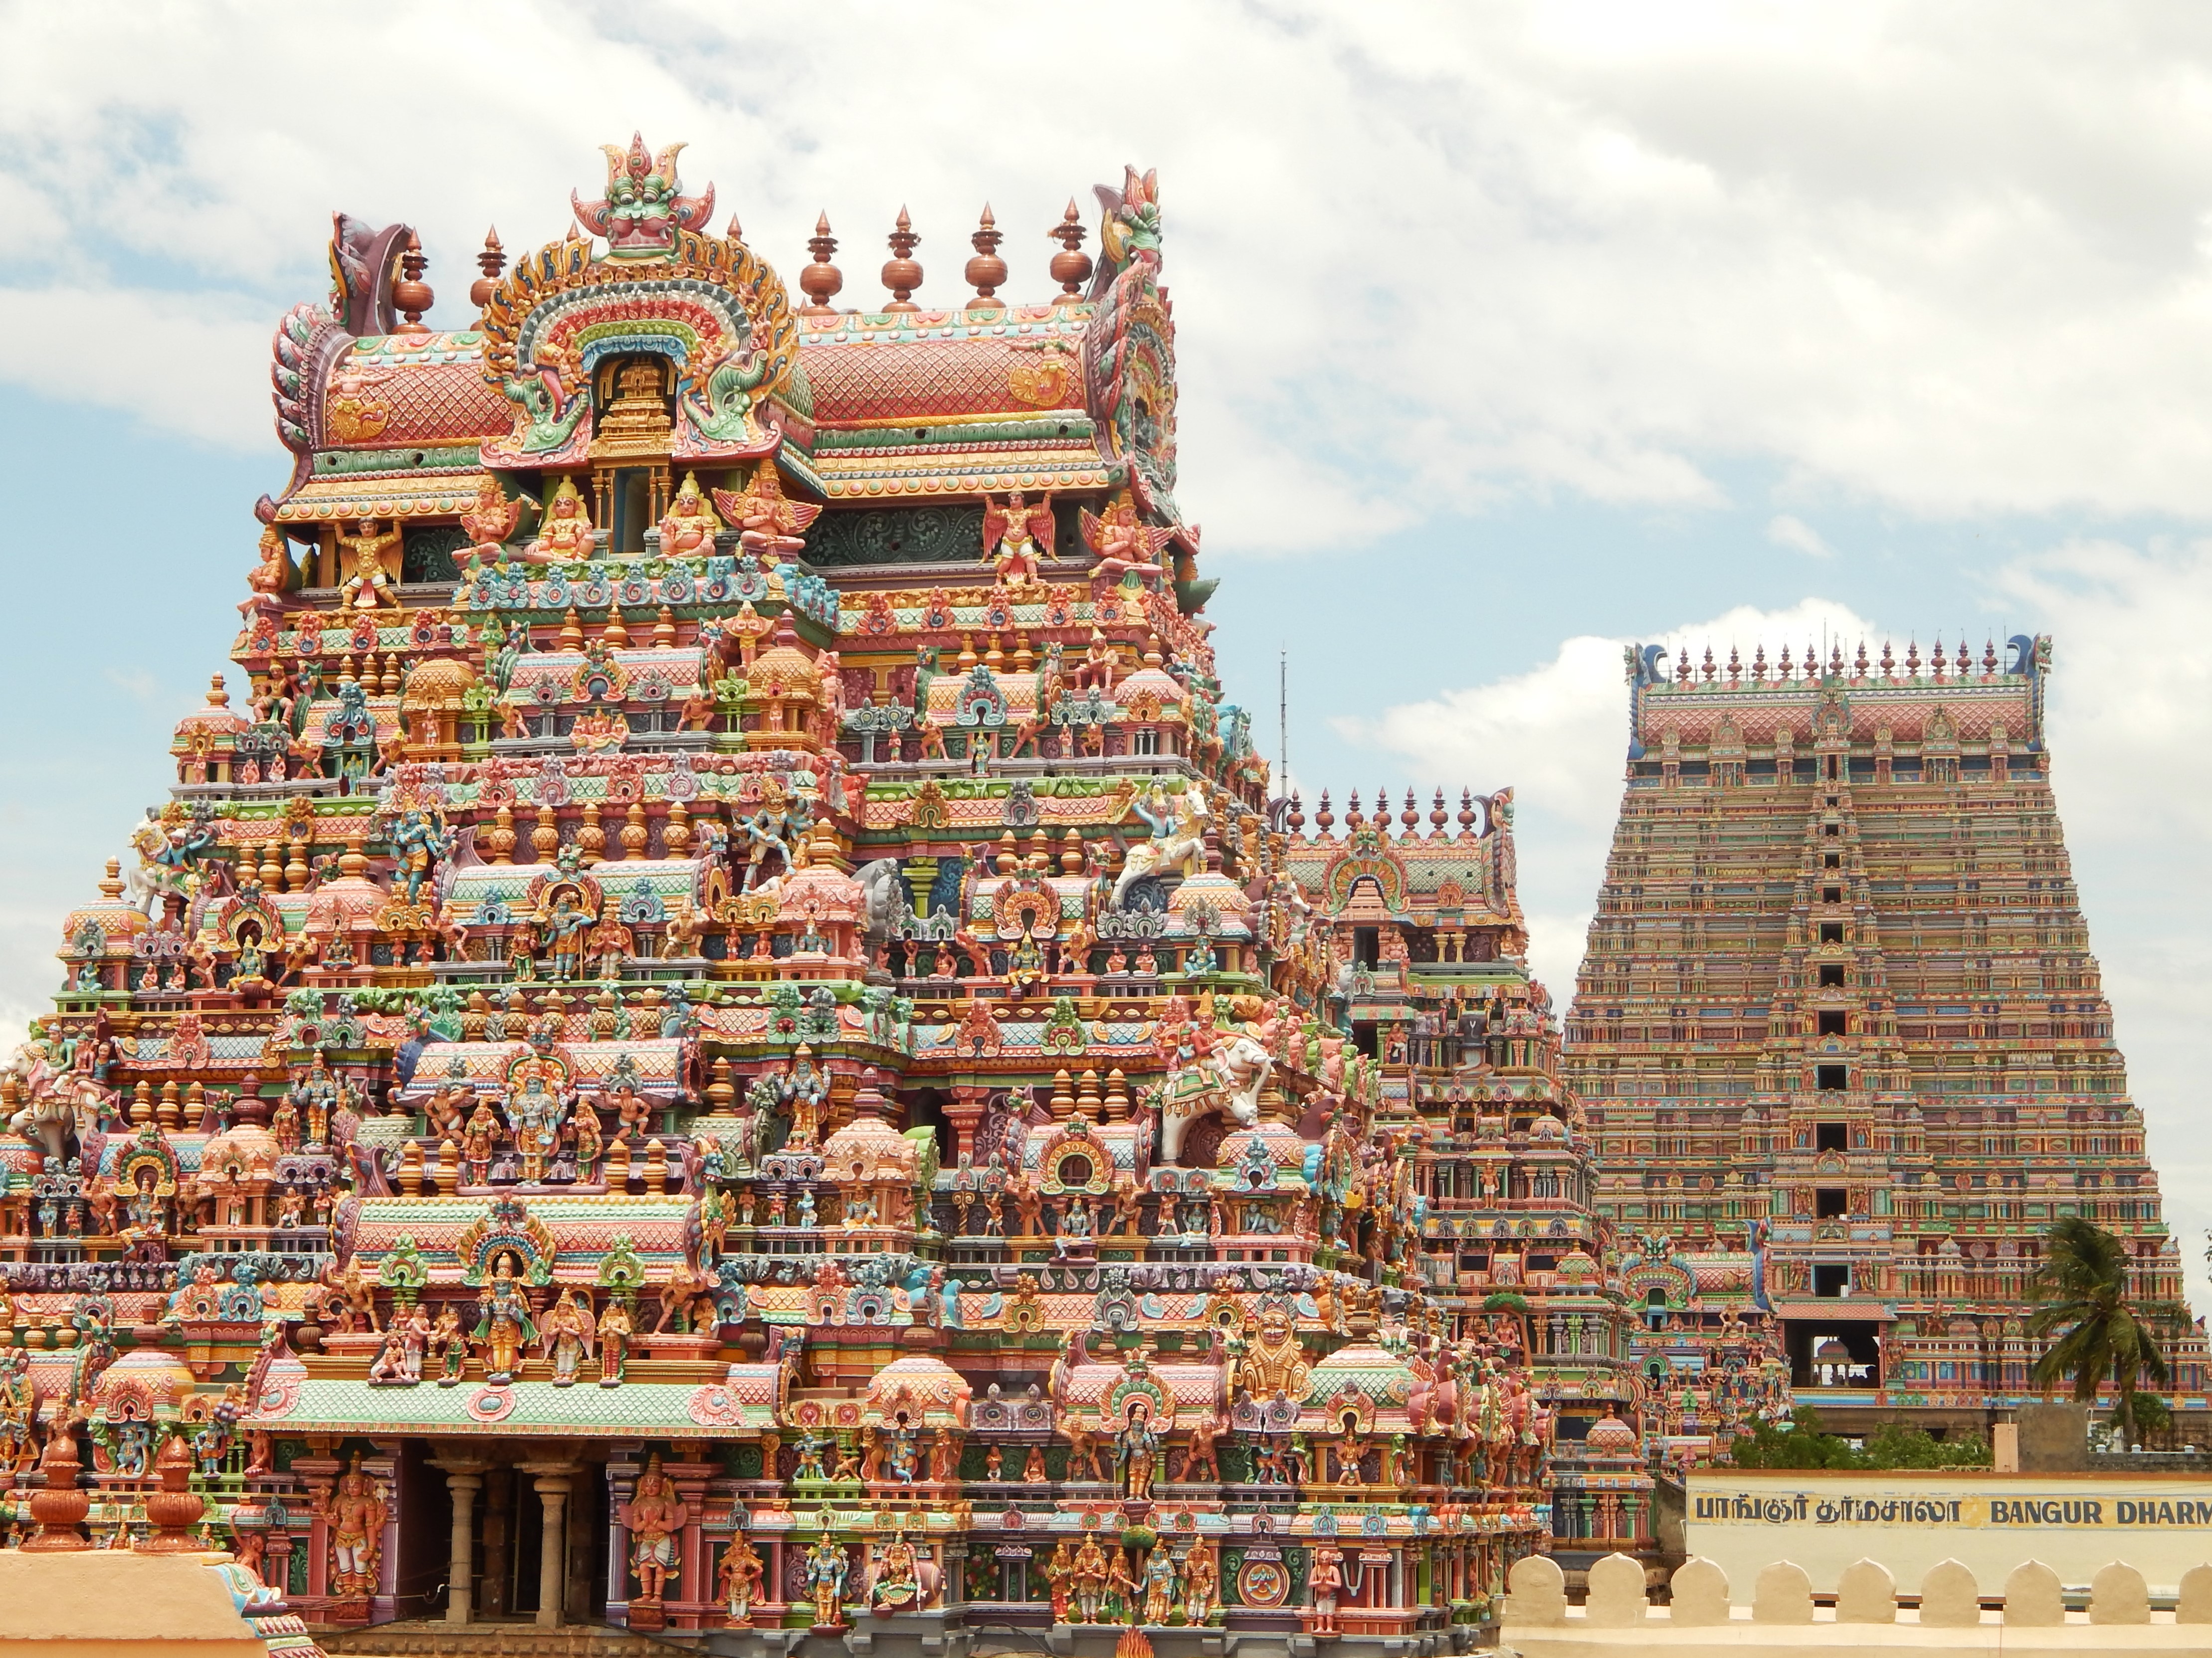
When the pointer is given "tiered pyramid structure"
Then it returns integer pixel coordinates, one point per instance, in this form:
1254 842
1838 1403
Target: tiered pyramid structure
723 1038
1842 1045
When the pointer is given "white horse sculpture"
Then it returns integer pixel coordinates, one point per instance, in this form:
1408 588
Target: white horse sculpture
151 882
55 1103
882 891
1178 843
1229 1079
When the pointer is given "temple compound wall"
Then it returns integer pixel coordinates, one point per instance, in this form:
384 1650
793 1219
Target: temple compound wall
723 1037
1741 1519
1842 1047
1870 1609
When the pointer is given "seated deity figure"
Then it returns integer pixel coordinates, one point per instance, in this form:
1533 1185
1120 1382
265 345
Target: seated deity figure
690 528
566 535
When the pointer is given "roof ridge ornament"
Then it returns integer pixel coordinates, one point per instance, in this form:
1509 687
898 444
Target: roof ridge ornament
644 205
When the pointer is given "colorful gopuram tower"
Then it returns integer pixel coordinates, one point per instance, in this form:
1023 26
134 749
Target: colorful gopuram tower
1841 1042
722 1042
1422 922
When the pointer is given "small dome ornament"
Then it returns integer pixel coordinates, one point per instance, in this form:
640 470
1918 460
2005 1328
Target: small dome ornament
986 270
410 294
901 273
821 280
491 261
1071 267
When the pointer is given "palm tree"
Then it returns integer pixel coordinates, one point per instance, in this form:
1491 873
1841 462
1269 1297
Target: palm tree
2107 1336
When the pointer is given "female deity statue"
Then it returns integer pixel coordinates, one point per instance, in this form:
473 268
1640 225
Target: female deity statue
565 1338
587 1144
478 1140
273 575
614 1342
451 1343
1060 1573
898 1576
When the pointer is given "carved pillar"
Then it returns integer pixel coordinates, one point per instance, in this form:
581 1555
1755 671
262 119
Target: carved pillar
553 1541
463 1480
318 1474
498 1527
690 1480
622 1482
577 1604
965 1111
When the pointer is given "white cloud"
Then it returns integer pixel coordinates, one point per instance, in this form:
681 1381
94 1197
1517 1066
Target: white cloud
1784 529
1950 257
1558 734
2130 715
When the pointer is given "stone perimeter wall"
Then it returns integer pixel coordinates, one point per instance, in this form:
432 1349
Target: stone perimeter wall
1950 1617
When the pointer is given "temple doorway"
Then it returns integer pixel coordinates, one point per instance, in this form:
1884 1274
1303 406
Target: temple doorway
502 1511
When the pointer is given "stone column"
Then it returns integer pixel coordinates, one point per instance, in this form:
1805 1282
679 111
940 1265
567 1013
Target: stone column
461 1571
552 1559
464 1479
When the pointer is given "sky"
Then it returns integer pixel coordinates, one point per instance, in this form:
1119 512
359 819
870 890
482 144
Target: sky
1508 335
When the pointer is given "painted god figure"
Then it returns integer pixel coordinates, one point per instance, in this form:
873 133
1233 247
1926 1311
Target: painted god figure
503 1324
355 1511
654 1515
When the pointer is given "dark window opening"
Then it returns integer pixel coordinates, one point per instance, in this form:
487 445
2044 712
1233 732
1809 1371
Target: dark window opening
1830 1078
1832 1279
1832 932
1832 775
633 510
431 552
1831 1202
1833 1023
1367 946
1831 860
1832 895
1363 1037
1844 1354
1832 975
1831 1136
1833 831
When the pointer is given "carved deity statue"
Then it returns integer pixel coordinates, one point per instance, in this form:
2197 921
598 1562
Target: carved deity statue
654 1515
689 528
354 1512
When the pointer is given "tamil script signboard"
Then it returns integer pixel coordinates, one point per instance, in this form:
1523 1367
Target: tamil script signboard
1909 1520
